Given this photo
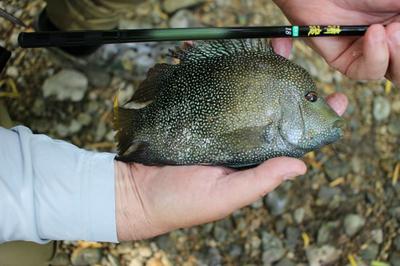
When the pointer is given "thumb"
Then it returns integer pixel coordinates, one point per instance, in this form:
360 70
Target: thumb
244 187
282 46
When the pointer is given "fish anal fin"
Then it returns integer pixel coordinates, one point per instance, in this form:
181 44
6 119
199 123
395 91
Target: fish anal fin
126 123
137 151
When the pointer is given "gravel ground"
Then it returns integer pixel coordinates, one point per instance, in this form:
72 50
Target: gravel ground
344 211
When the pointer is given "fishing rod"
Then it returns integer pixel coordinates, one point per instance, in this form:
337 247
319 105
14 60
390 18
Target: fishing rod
99 37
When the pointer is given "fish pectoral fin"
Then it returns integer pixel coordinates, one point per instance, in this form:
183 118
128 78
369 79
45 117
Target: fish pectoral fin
249 137
149 88
138 151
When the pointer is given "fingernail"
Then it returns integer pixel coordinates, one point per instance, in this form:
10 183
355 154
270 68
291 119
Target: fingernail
290 176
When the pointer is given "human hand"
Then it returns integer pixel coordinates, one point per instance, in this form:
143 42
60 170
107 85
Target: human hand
373 56
152 200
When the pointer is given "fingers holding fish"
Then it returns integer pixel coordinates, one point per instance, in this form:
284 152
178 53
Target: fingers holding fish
251 184
393 35
282 46
338 102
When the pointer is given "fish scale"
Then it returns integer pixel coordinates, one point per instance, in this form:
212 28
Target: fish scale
233 103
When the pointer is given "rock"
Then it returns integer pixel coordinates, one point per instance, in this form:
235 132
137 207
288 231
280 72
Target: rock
396 106
60 259
357 164
299 214
84 119
324 255
272 249
184 19
112 260
101 131
325 232
136 262
170 6
62 130
370 252
377 236
381 109
67 84
144 252
395 259
257 204
336 168
12 71
285 262
214 257
277 202
74 127
220 233
353 223
86 256
394 127
292 237
235 251
397 243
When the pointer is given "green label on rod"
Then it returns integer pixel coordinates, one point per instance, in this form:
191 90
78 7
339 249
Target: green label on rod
295 31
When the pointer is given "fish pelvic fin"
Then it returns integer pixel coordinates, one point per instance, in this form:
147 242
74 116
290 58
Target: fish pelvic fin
126 123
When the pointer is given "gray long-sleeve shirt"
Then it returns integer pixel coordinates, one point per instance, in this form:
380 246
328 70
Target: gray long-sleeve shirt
52 190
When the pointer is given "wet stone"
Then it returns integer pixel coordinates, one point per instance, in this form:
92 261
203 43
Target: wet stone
325 233
396 243
86 256
60 259
170 6
395 259
299 214
394 127
292 237
285 262
325 255
381 109
277 202
353 224
235 251
272 249
377 236
66 85
370 252
184 19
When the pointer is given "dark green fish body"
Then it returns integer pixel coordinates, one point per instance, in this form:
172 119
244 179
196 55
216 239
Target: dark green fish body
232 103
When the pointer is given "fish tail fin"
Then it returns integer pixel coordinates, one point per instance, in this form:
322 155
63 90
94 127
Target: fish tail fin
126 123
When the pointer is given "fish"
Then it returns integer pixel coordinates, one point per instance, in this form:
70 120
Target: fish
232 103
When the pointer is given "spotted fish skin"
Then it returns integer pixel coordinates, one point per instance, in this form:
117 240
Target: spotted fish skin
233 103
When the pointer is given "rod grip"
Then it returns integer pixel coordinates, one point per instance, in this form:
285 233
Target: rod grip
4 57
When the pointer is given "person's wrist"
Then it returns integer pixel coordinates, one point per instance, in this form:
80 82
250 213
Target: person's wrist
132 218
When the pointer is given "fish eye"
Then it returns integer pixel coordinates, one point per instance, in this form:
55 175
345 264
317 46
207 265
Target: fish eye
311 96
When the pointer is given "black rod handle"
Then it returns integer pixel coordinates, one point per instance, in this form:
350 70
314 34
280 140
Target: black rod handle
4 57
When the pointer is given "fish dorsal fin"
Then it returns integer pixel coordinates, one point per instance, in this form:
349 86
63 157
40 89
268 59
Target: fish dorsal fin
148 89
219 48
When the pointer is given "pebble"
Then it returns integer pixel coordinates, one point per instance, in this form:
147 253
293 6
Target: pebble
394 127
277 202
353 223
397 242
144 252
285 262
12 71
235 250
170 6
67 84
395 259
336 168
292 237
370 252
396 106
381 109
325 255
299 214
86 256
377 236
272 249
60 259
84 119
184 19
257 204
325 232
